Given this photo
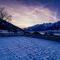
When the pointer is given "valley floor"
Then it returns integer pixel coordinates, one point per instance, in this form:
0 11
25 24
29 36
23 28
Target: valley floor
25 48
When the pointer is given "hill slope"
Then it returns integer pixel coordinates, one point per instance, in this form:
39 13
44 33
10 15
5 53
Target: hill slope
4 25
44 27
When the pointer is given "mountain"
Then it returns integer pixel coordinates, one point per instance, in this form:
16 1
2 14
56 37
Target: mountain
56 25
44 27
4 25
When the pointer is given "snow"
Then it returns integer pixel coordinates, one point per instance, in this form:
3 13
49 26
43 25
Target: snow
3 31
25 48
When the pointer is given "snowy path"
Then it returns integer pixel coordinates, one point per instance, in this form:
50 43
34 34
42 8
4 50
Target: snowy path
25 48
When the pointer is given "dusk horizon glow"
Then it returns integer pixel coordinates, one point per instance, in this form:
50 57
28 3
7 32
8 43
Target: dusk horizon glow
31 12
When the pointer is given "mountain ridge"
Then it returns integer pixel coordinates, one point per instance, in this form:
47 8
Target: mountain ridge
44 27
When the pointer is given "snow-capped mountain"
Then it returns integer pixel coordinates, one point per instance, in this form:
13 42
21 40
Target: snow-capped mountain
44 27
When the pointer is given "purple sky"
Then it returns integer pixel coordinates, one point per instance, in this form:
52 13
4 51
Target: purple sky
30 12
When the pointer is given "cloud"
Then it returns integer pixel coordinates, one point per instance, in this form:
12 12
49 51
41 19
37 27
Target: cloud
29 2
28 16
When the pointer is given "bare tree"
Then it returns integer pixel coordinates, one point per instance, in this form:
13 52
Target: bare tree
4 14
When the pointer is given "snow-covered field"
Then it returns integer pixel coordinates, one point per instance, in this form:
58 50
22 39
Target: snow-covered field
25 48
